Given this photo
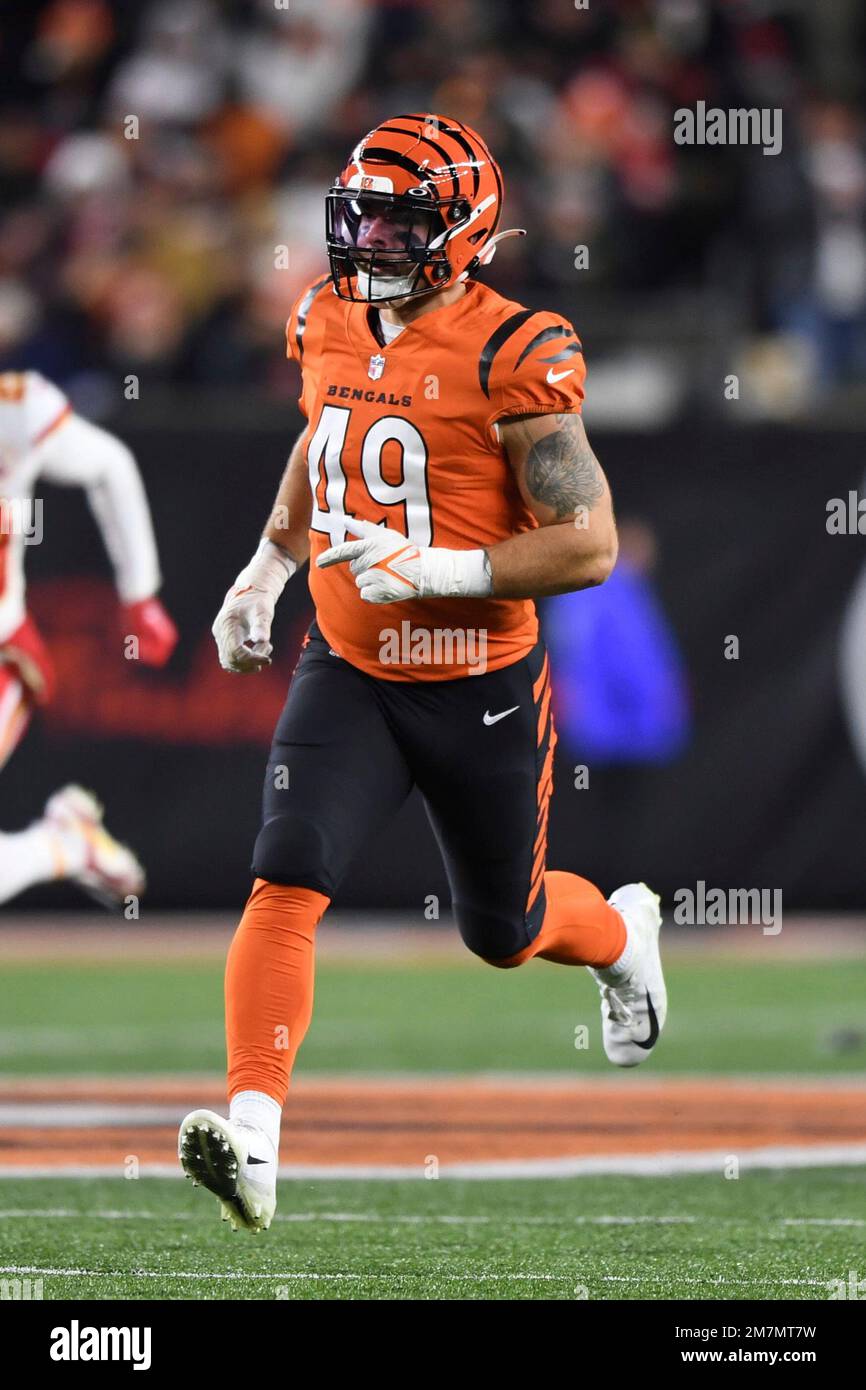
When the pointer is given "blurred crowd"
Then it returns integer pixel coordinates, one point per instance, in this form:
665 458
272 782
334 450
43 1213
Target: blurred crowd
156 156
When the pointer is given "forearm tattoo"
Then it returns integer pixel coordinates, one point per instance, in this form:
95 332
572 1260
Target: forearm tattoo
561 469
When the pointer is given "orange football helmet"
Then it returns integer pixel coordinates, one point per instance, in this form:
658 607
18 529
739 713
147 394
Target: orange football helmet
415 209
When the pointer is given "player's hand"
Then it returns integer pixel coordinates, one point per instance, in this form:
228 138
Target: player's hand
242 630
150 623
386 566
242 627
389 568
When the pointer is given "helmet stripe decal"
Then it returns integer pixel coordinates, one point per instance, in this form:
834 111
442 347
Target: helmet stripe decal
467 149
464 145
544 337
304 310
447 166
492 162
378 154
498 340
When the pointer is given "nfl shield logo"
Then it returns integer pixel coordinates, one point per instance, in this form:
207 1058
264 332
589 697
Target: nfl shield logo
376 367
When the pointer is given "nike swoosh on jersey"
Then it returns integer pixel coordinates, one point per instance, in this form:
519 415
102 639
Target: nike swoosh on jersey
495 718
553 377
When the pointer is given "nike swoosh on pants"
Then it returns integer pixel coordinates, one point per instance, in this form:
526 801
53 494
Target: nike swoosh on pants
495 718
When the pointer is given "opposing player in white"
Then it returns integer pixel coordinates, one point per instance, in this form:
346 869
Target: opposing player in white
42 437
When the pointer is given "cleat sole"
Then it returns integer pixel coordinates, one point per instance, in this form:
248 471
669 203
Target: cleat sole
210 1161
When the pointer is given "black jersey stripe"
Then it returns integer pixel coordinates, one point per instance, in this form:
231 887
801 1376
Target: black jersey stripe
544 337
304 309
566 352
498 340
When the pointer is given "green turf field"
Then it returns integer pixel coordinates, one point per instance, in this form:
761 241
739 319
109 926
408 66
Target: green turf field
726 1017
596 1238
766 1235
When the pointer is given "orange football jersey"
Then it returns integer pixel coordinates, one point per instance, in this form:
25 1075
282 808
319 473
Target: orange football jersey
406 434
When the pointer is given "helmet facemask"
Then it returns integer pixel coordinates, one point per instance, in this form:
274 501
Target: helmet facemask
386 247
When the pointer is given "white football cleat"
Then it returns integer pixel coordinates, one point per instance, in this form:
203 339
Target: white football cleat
237 1162
106 868
634 1002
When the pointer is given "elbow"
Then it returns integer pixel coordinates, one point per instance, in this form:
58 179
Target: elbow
599 566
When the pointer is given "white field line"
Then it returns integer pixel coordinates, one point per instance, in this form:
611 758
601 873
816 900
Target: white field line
823 1221
656 1165
86 1115
101 1115
364 1217
471 1276
49 1084
370 1218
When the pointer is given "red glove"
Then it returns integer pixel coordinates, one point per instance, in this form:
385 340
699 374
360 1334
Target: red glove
149 622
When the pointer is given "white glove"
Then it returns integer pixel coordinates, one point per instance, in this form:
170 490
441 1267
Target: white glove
242 627
388 568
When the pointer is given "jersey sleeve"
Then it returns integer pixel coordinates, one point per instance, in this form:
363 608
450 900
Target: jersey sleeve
532 364
30 408
85 455
297 339
45 407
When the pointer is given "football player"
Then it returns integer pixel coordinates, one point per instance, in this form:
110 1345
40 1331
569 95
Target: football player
444 481
42 437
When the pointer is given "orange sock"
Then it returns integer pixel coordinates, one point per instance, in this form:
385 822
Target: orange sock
579 927
269 986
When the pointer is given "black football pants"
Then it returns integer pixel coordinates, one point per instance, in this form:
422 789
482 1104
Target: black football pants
348 749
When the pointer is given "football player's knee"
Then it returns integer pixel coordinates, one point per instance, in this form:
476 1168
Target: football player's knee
290 849
498 938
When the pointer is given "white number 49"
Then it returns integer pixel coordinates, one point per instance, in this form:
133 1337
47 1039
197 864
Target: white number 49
326 448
